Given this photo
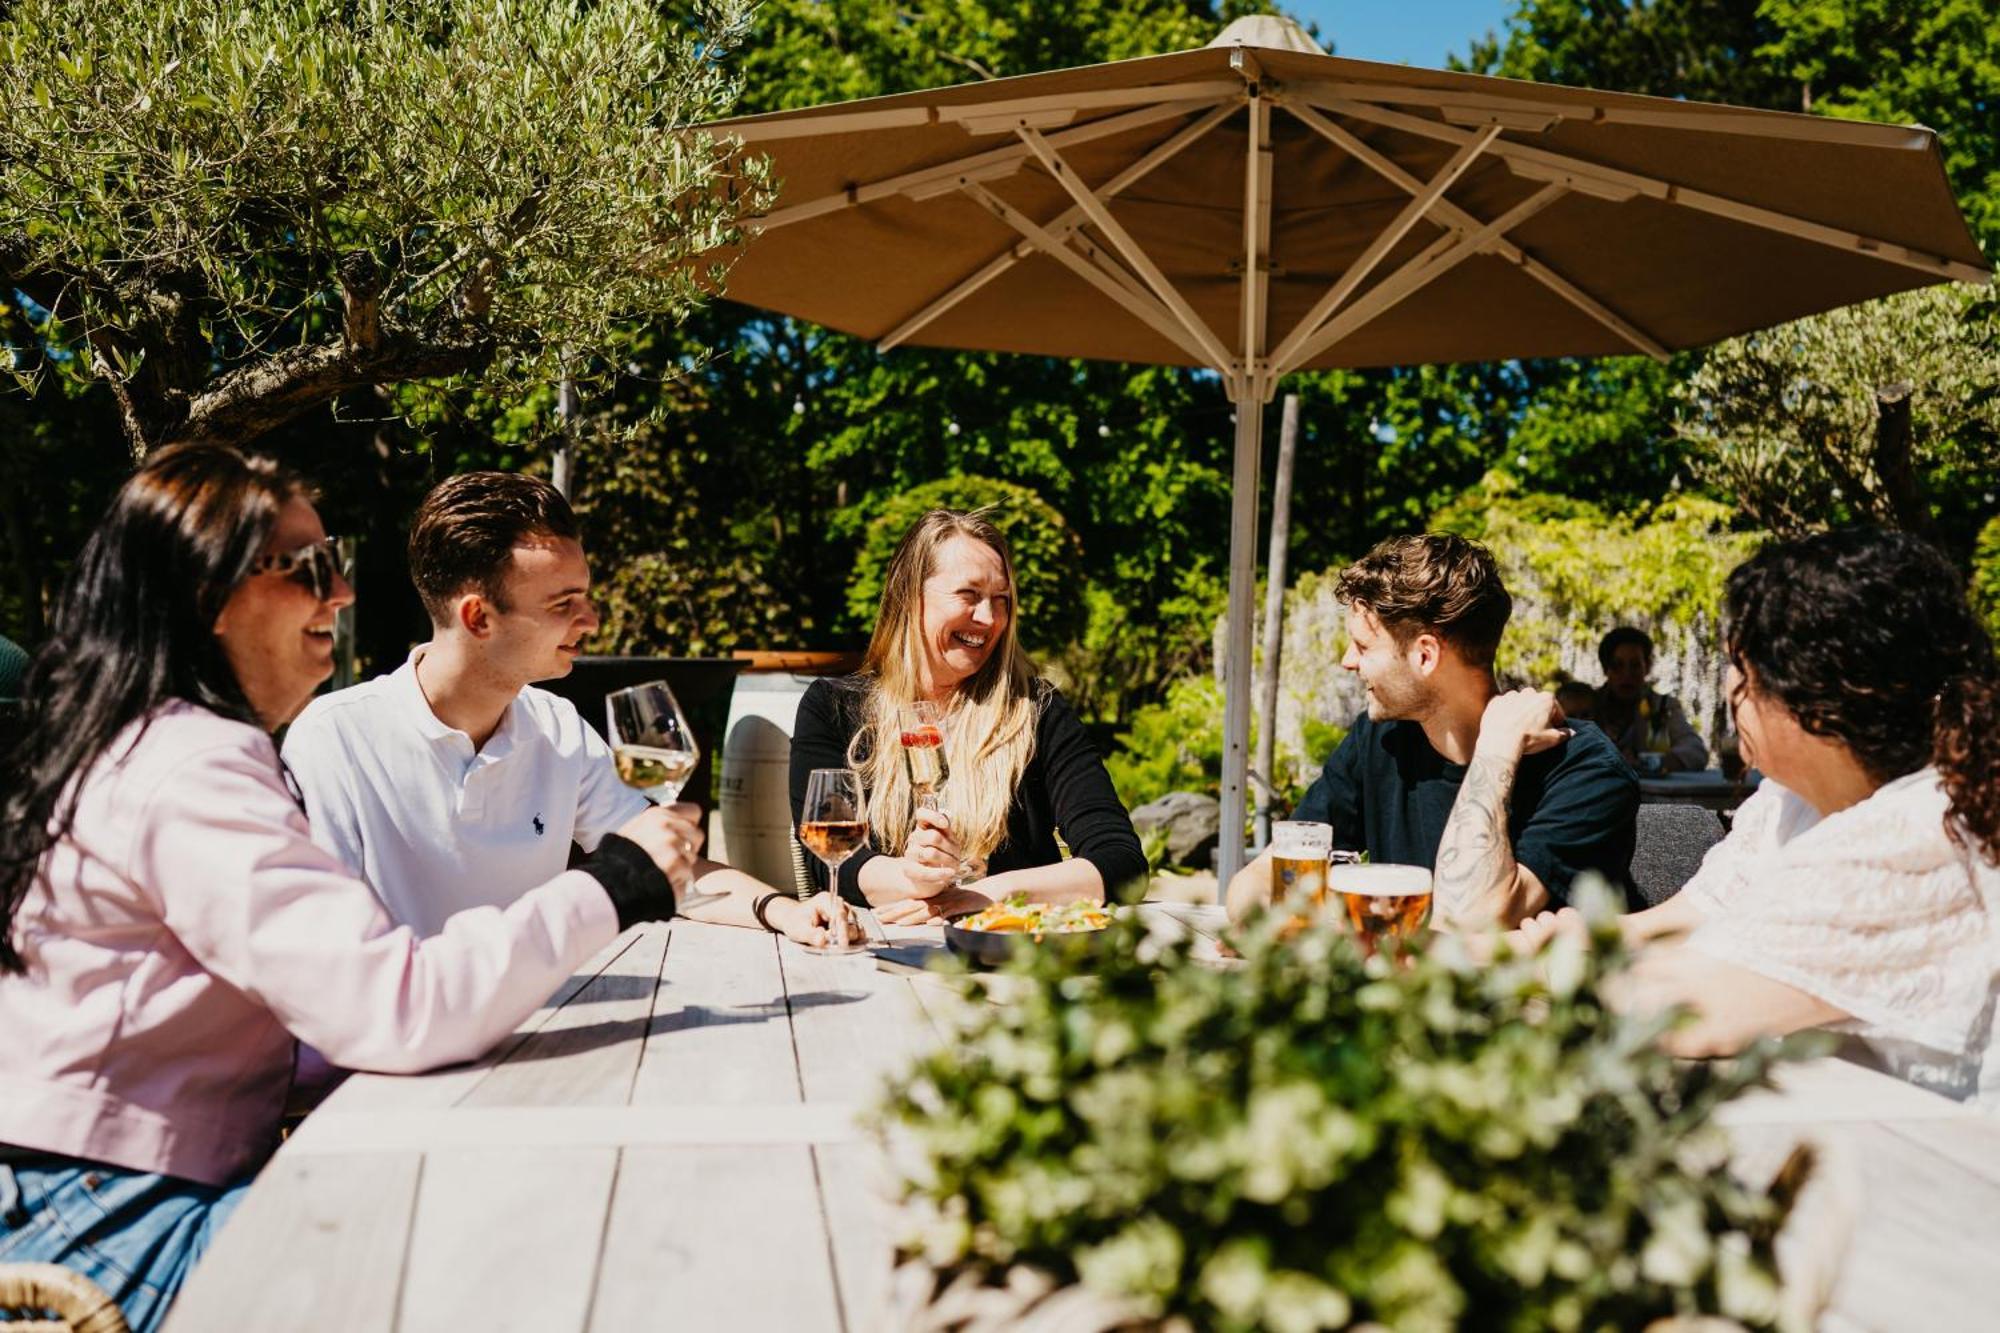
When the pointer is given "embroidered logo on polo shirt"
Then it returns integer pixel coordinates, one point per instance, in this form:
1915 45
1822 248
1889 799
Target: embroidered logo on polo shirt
540 828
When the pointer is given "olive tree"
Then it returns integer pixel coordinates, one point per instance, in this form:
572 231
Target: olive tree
1886 412
230 214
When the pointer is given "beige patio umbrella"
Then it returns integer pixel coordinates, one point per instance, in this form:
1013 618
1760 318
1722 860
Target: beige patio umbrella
1258 207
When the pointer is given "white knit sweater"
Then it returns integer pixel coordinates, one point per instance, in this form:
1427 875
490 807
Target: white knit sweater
1875 910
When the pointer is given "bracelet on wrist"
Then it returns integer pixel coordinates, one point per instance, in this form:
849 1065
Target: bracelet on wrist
758 908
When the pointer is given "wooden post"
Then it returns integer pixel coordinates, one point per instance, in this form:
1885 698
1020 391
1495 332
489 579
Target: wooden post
1274 617
1902 488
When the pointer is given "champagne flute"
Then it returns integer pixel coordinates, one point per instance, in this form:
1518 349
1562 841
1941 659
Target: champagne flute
655 751
833 825
920 728
921 732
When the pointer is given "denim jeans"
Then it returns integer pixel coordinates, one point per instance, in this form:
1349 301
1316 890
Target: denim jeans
135 1234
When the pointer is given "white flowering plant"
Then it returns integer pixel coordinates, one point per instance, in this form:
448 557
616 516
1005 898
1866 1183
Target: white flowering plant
1316 1139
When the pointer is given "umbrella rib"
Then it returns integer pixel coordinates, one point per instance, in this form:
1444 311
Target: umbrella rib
1095 100
1543 164
1121 239
1421 202
1457 219
1443 255
991 164
1064 224
886 118
1697 116
1141 305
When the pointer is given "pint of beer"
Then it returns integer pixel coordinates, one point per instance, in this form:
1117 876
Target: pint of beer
1298 863
1383 902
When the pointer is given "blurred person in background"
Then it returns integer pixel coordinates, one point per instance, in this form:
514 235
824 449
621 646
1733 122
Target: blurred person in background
1649 728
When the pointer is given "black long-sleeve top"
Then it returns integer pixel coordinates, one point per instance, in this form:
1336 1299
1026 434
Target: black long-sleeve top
1064 787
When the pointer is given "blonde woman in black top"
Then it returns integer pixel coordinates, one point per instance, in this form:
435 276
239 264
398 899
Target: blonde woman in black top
1020 764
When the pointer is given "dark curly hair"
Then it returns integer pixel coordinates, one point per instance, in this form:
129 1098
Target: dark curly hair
1436 582
1866 637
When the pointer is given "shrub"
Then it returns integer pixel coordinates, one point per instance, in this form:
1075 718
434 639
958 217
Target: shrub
1576 571
1048 558
1314 1140
1985 580
1174 745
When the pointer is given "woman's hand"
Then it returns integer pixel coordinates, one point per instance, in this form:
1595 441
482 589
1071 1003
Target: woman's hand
930 911
1535 932
818 921
931 858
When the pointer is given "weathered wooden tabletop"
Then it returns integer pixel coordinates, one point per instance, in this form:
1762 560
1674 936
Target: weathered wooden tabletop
671 1143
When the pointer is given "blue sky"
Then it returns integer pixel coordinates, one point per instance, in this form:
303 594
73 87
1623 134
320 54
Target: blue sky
1415 32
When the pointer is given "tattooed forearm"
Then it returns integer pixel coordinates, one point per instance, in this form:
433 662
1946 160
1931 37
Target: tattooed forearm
1475 862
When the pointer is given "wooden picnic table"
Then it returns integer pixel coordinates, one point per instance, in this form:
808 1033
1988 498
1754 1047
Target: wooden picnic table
671 1143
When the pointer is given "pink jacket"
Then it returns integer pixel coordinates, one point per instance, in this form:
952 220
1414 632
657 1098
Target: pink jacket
188 931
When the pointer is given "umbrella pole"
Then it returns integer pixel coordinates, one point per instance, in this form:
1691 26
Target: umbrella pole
1250 382
1236 684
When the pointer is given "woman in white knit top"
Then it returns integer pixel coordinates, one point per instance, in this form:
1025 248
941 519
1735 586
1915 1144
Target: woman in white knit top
1858 889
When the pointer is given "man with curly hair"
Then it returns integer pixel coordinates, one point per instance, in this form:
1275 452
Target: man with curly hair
1490 789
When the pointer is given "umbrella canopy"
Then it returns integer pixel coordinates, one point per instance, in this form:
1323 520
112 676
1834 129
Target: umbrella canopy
1258 207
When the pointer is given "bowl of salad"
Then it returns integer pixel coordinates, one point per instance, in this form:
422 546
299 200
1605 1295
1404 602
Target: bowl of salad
991 934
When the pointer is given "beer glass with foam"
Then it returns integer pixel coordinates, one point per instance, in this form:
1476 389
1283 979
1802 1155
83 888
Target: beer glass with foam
1299 850
1383 902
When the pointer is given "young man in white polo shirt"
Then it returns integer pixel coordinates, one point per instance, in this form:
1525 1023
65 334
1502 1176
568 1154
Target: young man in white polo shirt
452 783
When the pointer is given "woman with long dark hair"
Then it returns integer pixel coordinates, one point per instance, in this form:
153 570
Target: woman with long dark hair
169 933
1858 886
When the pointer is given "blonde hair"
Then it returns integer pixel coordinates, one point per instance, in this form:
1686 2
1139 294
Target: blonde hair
989 724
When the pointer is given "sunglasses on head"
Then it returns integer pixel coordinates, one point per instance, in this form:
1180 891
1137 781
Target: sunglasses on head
311 566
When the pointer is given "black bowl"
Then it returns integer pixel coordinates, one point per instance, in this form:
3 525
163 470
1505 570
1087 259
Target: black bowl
994 947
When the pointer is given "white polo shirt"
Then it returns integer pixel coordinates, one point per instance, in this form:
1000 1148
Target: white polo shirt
435 826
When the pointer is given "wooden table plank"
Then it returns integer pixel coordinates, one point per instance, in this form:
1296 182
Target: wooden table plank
857 1196
444 1087
587 1054
721 1030
1972 1143
848 1050
529 1128
317 1244
505 1239
1917 1219
853 1026
1833 1089
716 1238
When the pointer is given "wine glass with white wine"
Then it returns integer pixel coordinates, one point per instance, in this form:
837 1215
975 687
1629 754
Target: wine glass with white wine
655 752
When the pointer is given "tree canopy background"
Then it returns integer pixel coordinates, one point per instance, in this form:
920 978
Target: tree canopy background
730 465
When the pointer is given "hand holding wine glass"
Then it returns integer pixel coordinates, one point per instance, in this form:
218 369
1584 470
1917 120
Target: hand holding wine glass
833 825
922 736
932 860
655 752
